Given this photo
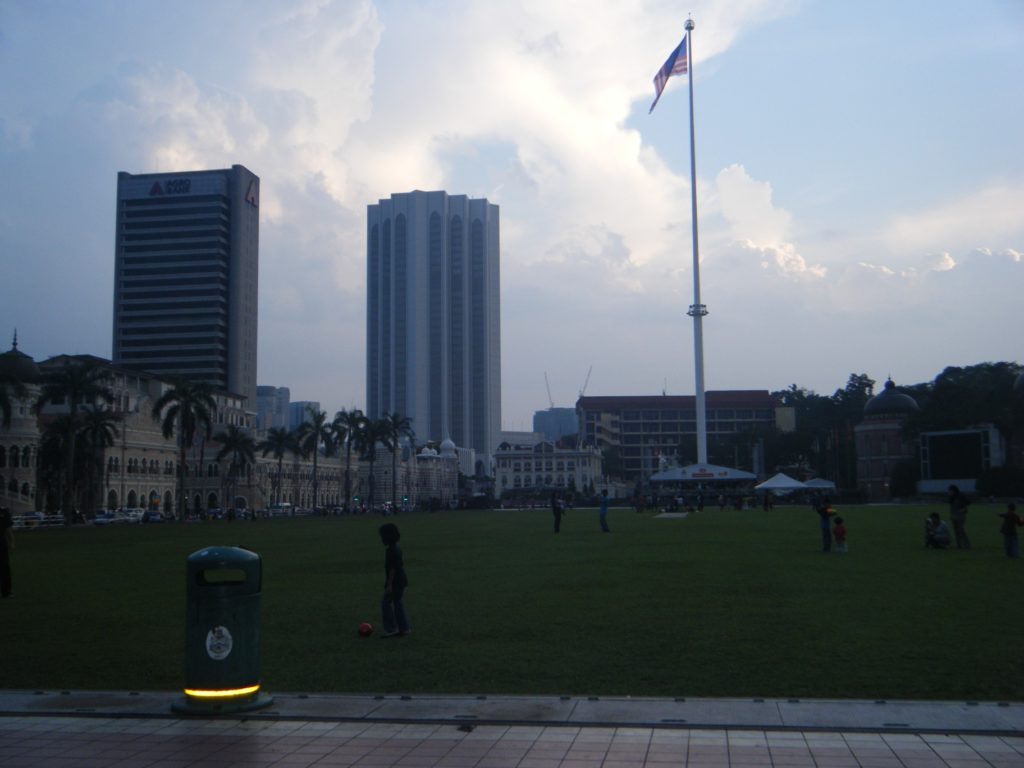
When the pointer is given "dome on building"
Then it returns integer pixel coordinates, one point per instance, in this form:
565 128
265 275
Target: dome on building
889 402
428 451
17 366
447 447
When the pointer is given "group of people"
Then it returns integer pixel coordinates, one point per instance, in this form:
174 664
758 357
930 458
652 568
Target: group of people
558 509
936 532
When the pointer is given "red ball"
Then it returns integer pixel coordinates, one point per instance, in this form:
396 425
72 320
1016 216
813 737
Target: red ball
365 629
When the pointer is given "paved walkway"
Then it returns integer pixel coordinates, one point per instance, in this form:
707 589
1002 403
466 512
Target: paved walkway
139 730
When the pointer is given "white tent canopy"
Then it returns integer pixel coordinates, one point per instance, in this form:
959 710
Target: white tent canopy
704 473
780 482
821 484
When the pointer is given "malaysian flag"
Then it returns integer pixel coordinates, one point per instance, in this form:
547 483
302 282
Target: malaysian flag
674 65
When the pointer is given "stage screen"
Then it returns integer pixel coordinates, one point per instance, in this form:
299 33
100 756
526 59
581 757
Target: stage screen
955 455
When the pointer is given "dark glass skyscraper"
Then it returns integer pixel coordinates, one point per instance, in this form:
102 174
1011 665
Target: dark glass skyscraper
186 276
433 331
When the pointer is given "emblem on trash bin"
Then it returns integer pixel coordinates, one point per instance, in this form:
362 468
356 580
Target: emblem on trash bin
218 643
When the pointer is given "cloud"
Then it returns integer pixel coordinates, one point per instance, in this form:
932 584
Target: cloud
530 103
992 212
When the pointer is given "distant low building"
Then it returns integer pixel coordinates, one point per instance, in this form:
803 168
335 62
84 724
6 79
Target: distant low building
542 468
648 430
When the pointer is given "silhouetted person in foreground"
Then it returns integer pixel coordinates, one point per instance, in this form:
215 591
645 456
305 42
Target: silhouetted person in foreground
392 609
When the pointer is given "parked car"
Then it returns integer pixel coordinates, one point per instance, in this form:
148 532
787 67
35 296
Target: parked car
107 518
152 516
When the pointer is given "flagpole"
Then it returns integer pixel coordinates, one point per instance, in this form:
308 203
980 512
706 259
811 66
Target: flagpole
697 310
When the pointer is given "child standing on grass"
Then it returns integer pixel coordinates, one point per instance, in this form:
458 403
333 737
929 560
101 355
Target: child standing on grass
839 534
1011 522
395 581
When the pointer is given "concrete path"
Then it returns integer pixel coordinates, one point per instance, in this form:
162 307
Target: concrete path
140 730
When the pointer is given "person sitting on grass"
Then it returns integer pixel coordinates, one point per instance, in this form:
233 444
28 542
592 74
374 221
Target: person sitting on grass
936 532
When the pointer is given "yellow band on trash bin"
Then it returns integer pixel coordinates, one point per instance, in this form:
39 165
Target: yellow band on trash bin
229 693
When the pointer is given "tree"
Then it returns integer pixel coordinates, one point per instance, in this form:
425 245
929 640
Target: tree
395 428
240 446
347 429
74 384
376 431
53 459
187 407
97 432
278 441
310 435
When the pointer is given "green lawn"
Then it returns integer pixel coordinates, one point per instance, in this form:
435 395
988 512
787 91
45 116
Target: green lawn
720 604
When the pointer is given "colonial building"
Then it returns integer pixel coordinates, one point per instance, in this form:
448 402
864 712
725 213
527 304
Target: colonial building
880 442
542 468
19 441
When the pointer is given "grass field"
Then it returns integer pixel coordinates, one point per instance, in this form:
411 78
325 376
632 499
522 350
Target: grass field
719 604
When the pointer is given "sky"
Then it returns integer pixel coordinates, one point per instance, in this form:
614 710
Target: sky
860 177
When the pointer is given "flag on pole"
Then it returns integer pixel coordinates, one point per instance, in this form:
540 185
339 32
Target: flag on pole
676 64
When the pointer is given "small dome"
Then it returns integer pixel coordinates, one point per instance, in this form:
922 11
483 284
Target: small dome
889 402
447 447
18 366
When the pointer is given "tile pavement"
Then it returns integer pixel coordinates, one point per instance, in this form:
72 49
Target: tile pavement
68 741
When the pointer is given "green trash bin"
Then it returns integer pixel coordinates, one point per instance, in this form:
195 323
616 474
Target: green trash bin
222 632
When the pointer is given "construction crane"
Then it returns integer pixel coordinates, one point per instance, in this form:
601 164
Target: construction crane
546 384
586 381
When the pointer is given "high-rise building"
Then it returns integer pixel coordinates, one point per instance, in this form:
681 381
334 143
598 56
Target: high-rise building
433 332
555 422
272 406
186 268
298 412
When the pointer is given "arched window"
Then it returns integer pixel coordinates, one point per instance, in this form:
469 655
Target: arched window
14 457
12 486
3 456
25 490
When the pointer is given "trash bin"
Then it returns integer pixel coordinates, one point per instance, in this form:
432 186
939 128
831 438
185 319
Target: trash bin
222 631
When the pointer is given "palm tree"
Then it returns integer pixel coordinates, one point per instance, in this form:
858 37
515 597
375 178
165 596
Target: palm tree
395 428
76 384
376 431
240 446
310 434
278 441
185 408
54 469
97 433
347 428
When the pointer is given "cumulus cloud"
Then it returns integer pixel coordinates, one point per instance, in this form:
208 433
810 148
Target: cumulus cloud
336 103
993 212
